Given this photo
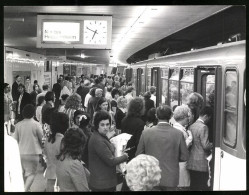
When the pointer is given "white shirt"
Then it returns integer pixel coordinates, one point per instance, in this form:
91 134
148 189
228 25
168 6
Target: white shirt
19 103
153 97
187 134
13 179
88 96
38 114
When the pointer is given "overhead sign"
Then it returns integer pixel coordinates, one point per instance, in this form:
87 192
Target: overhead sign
61 31
74 31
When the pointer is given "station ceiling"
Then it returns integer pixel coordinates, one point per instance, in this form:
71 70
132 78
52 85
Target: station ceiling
20 28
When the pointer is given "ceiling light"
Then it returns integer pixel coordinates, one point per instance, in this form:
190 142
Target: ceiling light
82 55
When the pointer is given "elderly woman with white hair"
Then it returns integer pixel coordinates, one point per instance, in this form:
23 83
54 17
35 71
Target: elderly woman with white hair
143 173
121 111
181 115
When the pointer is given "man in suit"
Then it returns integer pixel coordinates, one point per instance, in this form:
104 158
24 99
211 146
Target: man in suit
15 92
166 144
83 89
23 99
57 91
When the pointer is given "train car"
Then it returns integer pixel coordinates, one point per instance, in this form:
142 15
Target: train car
218 74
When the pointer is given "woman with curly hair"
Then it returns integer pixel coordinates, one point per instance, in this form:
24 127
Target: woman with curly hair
58 126
143 173
73 103
70 172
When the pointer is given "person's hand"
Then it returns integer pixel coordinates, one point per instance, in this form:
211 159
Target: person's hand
125 154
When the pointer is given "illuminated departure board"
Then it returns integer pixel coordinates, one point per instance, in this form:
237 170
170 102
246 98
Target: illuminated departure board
74 31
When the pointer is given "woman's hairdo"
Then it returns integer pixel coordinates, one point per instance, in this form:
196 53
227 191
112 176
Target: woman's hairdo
59 123
72 144
121 102
40 100
114 92
181 112
100 116
136 107
143 173
101 101
73 101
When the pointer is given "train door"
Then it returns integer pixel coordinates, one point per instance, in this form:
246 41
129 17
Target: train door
164 86
140 81
155 81
232 143
208 84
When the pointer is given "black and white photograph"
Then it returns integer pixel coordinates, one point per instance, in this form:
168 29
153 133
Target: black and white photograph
121 98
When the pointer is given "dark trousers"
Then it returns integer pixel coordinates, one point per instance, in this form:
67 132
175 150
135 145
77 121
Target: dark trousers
113 189
198 181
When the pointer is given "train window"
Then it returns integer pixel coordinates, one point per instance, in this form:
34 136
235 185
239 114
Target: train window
230 111
135 80
173 88
186 85
148 78
164 80
210 90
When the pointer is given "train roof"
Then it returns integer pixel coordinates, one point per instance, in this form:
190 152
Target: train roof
214 54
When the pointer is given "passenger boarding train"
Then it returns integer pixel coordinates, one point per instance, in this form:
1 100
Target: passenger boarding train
218 74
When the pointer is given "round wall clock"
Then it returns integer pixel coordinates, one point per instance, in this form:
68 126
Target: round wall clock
95 32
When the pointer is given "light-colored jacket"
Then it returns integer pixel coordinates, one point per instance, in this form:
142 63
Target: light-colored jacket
51 150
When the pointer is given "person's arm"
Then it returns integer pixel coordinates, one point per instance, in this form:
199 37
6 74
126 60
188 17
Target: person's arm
183 151
204 139
106 155
78 176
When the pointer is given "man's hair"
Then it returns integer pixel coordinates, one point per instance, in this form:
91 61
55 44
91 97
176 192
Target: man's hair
49 96
207 110
45 87
28 111
163 112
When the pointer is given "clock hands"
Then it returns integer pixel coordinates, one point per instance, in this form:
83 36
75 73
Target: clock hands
95 32
90 29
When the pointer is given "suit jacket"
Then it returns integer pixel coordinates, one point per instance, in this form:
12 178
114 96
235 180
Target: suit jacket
166 144
15 93
102 162
57 90
200 147
26 99
133 126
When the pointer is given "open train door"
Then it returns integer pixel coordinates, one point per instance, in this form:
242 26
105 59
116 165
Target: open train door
155 81
208 84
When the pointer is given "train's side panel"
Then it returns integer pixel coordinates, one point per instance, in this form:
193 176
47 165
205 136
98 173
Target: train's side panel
229 162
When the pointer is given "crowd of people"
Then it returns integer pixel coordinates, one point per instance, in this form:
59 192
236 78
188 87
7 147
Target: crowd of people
69 129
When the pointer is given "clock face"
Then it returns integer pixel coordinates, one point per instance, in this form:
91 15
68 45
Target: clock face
95 32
